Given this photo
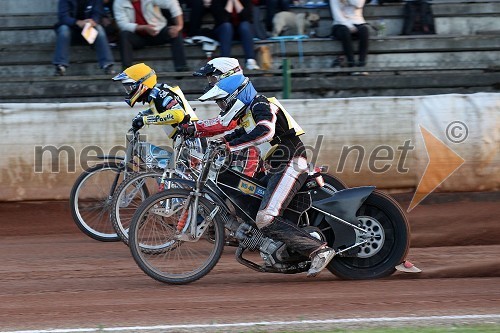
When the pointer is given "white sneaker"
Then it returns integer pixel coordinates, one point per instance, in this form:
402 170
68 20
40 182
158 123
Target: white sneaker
251 64
320 261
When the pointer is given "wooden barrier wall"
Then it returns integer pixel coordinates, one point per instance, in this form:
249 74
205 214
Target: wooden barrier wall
364 141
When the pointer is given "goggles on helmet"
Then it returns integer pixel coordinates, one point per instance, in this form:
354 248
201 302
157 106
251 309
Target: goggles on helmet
221 103
129 87
213 79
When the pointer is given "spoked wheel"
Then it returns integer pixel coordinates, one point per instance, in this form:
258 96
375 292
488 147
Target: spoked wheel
388 237
164 249
129 196
91 198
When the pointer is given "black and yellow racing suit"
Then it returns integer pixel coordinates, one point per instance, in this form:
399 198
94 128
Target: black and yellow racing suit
267 125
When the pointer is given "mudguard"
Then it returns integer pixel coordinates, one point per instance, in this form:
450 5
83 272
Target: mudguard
344 204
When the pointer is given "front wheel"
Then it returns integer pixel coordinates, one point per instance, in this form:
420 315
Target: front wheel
387 245
156 237
90 200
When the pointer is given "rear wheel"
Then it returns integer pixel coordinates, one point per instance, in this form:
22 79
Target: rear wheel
387 245
90 200
332 183
156 237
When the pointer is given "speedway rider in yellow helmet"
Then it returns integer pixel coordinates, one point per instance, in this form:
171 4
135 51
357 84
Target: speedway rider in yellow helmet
167 105
264 123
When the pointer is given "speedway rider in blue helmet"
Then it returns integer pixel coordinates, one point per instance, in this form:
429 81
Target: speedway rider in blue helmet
264 123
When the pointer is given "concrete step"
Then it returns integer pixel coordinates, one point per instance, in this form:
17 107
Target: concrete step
460 18
9 7
311 85
450 18
410 51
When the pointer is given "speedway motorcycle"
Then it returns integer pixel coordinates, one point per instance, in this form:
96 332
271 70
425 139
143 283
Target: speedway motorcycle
177 236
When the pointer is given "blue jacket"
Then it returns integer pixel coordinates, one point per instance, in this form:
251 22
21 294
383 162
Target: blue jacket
66 11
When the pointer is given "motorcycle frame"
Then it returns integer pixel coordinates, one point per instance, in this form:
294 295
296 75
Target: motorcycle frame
346 201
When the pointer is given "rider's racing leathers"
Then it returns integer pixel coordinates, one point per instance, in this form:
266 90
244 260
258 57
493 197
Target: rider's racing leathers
270 128
167 106
246 161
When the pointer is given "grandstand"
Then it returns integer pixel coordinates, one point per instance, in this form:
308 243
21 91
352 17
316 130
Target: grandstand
463 57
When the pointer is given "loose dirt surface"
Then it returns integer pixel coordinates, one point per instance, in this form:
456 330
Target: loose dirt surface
54 276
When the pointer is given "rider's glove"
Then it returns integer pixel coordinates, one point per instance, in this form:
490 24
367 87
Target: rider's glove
137 122
188 130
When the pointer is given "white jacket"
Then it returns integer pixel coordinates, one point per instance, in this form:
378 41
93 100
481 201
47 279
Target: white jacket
347 12
151 10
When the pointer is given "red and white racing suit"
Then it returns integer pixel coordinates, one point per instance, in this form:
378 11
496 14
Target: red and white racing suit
246 161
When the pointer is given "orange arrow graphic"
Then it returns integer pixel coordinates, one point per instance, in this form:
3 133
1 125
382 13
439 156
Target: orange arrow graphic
443 162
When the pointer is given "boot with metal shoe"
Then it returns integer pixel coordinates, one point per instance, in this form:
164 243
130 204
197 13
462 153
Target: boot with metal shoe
320 260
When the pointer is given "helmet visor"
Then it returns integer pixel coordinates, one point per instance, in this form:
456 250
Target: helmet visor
221 103
129 87
212 79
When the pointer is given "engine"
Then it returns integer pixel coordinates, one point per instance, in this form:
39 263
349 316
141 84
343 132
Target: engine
274 253
253 239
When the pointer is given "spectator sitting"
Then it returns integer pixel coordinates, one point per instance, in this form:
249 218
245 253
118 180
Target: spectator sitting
198 9
141 24
349 24
109 23
230 15
72 17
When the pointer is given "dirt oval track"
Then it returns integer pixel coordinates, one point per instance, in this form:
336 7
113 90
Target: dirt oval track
53 276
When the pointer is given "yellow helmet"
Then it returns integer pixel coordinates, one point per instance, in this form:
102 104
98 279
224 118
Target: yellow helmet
136 81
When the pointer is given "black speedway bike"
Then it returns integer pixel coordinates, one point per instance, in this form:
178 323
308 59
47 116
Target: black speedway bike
177 236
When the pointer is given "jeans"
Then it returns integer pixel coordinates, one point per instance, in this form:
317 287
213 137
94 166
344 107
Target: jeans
225 33
65 35
344 35
130 41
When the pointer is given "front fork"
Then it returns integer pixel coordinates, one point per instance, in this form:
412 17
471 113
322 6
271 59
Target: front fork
193 228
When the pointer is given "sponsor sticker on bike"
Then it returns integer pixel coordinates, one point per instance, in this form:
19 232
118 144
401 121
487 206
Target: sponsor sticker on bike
250 188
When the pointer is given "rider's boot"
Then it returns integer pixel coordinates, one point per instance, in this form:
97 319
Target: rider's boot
320 259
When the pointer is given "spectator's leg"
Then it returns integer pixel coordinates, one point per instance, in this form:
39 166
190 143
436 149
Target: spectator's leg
284 5
63 42
128 42
224 33
178 54
195 17
271 10
363 33
177 46
103 50
258 24
245 31
342 33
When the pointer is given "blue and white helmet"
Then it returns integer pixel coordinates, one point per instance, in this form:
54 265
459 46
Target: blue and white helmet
228 87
